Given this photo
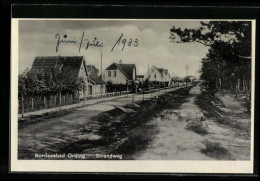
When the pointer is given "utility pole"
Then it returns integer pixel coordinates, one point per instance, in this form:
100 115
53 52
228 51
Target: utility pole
187 70
101 86
143 90
148 79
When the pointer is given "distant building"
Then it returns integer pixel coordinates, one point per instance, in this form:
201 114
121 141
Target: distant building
158 75
140 78
190 78
119 73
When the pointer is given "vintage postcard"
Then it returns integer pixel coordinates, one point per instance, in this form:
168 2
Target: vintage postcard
132 95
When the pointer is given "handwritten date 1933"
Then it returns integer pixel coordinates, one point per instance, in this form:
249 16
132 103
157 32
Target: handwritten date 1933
124 42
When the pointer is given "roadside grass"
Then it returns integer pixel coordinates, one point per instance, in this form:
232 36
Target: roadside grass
207 102
210 104
197 127
216 150
137 141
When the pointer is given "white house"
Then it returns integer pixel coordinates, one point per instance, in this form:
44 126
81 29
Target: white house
158 75
119 73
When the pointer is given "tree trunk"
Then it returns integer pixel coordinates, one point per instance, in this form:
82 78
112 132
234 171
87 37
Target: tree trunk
79 95
220 82
44 102
60 100
237 87
55 100
32 104
216 83
244 84
22 107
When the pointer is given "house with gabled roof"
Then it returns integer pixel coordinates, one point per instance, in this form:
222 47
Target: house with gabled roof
71 67
156 74
96 86
119 73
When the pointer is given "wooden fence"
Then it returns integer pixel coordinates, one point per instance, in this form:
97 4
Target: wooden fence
110 94
31 104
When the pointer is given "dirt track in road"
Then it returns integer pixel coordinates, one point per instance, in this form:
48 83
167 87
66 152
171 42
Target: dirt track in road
170 127
186 134
53 134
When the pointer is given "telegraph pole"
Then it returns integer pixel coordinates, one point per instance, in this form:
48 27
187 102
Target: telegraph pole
187 70
101 86
148 78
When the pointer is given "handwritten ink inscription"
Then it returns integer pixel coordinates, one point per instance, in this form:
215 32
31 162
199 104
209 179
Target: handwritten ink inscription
59 41
86 43
124 41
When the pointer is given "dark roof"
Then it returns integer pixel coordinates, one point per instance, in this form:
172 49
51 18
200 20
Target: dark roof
96 79
126 69
68 65
161 71
112 67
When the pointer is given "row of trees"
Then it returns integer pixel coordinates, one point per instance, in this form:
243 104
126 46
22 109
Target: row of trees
227 64
33 84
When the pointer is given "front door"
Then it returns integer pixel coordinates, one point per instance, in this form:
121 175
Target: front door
89 90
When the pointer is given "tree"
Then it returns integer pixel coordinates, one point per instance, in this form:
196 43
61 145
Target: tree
92 70
228 62
22 89
38 83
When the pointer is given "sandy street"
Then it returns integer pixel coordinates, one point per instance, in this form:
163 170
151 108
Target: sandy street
175 142
177 129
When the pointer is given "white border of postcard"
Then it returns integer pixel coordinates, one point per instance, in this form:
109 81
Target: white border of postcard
147 166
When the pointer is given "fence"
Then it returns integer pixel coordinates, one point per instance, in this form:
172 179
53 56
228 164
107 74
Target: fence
111 94
31 104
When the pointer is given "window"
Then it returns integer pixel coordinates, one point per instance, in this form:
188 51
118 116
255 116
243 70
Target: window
149 75
109 74
155 76
114 74
152 70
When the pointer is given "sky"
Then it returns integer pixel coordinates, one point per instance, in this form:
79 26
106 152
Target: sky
37 38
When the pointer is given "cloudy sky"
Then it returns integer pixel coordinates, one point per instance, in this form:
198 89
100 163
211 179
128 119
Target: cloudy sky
37 38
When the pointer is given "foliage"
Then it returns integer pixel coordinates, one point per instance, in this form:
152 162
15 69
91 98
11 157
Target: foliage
92 69
38 83
228 61
110 87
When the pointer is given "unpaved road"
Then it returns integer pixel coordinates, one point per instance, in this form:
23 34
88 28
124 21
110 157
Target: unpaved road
177 133
51 135
175 142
